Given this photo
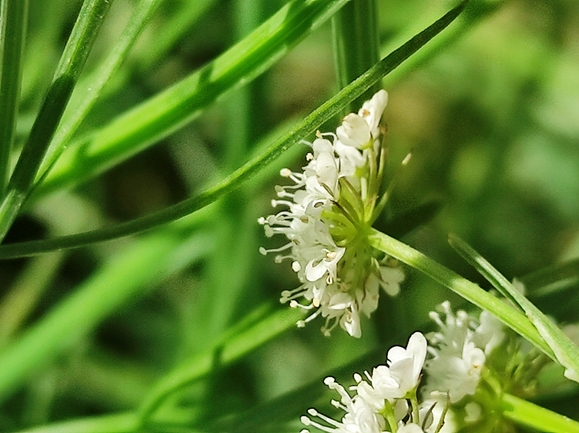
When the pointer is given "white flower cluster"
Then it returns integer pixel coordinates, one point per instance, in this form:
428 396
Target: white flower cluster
329 210
459 351
387 400
381 401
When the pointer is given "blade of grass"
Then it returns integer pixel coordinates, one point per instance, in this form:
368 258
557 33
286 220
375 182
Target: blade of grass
89 89
130 273
13 20
566 352
559 279
356 44
116 423
290 405
461 286
83 34
171 109
232 347
46 38
183 18
234 225
526 413
25 293
325 112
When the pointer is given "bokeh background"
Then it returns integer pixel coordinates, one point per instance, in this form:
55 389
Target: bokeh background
492 119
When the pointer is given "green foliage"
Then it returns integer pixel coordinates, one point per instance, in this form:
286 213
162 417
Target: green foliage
169 121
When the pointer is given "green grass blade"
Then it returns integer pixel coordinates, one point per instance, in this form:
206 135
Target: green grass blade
171 109
269 416
14 15
461 286
559 279
116 423
73 58
127 275
565 351
356 44
234 224
89 88
183 18
526 413
229 184
229 349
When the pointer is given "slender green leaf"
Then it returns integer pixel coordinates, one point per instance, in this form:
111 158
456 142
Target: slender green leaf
13 17
225 351
89 89
356 44
461 286
116 423
325 112
129 274
474 13
183 18
235 231
289 406
530 415
565 351
71 63
171 109
558 279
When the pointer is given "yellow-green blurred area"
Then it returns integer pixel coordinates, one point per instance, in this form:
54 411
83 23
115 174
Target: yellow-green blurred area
492 120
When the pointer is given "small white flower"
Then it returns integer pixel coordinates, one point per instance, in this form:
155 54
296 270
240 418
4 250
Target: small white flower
402 372
354 131
458 352
406 364
490 332
359 416
328 212
385 401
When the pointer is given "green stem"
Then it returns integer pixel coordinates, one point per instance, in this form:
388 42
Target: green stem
89 89
71 63
463 287
529 414
388 414
171 109
309 125
13 16
151 259
356 44
229 349
564 349
181 21
116 423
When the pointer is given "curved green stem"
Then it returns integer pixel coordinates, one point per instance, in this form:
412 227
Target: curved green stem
14 15
228 349
71 63
116 423
529 414
356 44
89 89
463 287
325 112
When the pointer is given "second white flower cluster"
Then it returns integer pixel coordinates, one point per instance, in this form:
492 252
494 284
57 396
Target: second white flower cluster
391 399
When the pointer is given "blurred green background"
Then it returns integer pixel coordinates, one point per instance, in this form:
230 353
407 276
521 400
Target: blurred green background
493 123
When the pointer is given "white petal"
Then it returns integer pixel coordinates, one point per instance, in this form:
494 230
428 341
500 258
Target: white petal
354 131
